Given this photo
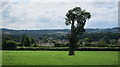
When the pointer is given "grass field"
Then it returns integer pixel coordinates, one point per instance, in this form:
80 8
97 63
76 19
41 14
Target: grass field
59 58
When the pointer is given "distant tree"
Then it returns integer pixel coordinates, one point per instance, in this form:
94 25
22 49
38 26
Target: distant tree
4 41
54 42
19 44
23 38
35 45
102 43
107 39
45 39
41 37
77 18
26 41
32 41
113 41
9 44
87 40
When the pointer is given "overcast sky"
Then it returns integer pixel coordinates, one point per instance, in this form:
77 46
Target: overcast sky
50 15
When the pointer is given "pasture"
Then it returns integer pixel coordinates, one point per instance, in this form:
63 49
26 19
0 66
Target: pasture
59 58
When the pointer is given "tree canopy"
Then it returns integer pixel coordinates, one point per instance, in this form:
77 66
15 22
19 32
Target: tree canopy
78 15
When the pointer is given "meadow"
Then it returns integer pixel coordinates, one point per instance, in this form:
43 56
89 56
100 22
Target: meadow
59 58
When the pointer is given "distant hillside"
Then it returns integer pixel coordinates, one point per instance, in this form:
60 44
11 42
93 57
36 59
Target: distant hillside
112 30
33 32
57 31
94 34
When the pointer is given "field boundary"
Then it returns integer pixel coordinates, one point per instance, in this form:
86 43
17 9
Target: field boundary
86 49
60 66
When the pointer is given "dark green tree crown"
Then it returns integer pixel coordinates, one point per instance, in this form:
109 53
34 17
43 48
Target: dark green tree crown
77 14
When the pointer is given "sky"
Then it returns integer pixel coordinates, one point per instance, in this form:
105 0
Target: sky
51 15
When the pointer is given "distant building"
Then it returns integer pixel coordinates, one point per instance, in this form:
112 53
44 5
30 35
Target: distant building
94 42
42 43
47 44
118 41
64 41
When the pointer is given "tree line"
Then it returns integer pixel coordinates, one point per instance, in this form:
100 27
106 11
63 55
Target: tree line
25 41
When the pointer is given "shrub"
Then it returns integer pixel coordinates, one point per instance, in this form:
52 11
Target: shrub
9 45
79 45
88 44
19 44
102 45
35 45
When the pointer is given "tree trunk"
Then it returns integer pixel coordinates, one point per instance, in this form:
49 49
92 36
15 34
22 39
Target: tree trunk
71 52
72 46
72 40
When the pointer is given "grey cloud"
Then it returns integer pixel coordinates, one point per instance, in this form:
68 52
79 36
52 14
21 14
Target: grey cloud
39 15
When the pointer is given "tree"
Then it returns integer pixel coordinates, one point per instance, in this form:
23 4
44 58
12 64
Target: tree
87 40
107 39
102 43
76 17
26 41
32 41
22 39
9 44
45 39
113 41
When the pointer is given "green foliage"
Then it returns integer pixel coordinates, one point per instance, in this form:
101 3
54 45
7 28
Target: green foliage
76 14
102 43
9 44
107 39
46 39
113 41
88 44
35 45
13 37
41 37
79 15
93 34
26 41
22 39
19 44
32 41
87 40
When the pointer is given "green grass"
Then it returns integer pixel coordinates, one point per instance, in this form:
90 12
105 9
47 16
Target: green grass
0 58
59 58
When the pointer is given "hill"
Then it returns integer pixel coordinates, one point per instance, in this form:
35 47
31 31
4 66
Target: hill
94 34
57 31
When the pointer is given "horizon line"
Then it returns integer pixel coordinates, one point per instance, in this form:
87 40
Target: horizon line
58 28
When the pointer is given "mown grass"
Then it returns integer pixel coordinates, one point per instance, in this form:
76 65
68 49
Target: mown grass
59 58
0 57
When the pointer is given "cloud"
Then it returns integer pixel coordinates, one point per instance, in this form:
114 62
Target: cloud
60 1
50 15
